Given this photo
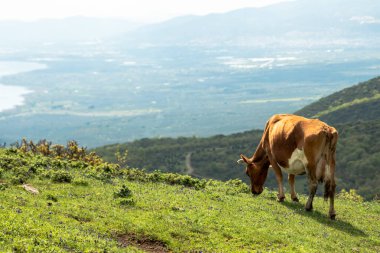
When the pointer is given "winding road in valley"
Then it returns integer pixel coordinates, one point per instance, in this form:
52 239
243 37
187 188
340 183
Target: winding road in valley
189 168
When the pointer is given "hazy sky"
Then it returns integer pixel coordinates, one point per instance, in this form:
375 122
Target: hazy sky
136 10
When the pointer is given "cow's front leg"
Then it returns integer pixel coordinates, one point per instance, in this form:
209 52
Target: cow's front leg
293 194
278 174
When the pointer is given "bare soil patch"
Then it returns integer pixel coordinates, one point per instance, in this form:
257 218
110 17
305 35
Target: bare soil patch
143 242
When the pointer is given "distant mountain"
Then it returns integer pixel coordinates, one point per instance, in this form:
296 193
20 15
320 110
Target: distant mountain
72 29
353 111
295 24
302 23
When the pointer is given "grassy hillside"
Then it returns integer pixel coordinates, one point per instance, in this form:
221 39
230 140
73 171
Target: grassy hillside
354 111
87 205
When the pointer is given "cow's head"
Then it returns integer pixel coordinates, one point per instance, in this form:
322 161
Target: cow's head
257 172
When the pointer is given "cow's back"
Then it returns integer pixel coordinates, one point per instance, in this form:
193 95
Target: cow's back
288 136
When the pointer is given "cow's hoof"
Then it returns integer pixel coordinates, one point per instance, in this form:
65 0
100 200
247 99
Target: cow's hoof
295 199
332 216
309 208
281 199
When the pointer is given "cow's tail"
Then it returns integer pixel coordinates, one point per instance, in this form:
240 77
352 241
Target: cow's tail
329 175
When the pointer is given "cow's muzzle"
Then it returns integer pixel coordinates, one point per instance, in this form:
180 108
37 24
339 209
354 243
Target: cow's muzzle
255 192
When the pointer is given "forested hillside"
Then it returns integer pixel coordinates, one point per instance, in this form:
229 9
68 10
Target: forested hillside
353 111
358 157
213 157
357 103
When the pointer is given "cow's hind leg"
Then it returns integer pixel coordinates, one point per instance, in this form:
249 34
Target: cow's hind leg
293 194
330 187
313 184
330 193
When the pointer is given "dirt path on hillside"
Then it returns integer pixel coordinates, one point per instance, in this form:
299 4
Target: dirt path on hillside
143 243
189 168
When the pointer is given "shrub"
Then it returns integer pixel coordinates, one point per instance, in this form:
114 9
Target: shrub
52 198
61 176
81 182
238 186
3 187
124 192
72 151
351 195
172 178
20 174
106 171
127 202
19 179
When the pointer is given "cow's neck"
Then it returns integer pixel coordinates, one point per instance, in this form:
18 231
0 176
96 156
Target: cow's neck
260 154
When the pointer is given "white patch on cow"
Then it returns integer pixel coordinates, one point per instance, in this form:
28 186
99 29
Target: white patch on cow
297 163
321 168
327 172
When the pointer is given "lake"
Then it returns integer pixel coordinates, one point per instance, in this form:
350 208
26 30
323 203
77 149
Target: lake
12 96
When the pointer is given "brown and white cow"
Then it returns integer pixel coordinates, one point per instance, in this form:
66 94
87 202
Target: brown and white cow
295 145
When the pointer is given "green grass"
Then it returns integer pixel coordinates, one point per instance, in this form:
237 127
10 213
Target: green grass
91 213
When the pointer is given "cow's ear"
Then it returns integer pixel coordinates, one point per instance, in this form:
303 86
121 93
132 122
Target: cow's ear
246 159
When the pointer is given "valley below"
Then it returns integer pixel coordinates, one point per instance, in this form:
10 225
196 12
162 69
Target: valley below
108 96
